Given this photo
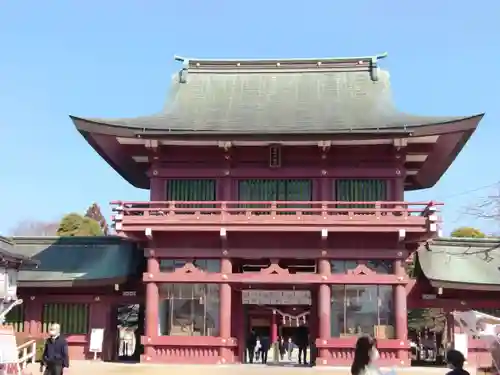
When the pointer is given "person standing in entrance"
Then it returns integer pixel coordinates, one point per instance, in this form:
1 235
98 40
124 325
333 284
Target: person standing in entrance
251 343
55 353
302 341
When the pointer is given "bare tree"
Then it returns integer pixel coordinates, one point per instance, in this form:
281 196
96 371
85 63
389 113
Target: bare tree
35 228
487 208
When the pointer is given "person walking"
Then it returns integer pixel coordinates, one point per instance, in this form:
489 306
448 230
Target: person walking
251 343
55 356
365 354
456 361
289 348
302 342
264 349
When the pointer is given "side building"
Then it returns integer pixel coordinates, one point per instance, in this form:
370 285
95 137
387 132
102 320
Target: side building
82 283
459 274
10 263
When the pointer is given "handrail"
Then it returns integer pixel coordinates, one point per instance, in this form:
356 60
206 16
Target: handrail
25 354
275 208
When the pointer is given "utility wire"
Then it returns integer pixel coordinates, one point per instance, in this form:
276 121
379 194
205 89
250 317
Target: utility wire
471 191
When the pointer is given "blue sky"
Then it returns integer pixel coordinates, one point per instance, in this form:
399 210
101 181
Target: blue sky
115 58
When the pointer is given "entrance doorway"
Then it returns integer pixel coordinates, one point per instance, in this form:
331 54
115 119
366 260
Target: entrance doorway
280 321
129 323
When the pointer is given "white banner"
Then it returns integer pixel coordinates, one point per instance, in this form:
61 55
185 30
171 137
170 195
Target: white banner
480 325
276 297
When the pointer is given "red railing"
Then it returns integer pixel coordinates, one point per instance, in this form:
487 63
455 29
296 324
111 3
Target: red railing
251 212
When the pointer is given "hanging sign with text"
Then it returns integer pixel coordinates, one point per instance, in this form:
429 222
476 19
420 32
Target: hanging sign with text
276 297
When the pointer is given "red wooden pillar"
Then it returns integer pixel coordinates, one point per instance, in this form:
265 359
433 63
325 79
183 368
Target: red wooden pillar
274 327
152 307
313 315
324 307
225 312
33 308
238 324
401 313
157 187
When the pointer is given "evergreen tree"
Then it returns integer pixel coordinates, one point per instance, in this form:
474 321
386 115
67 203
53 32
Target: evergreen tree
94 213
73 225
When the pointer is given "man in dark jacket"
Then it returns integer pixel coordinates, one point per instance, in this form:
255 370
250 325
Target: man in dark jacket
251 342
55 353
302 341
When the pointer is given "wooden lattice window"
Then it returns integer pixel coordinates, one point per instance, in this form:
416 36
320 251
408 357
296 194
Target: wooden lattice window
73 317
15 318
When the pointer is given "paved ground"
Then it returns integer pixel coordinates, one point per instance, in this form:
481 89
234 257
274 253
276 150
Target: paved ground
100 368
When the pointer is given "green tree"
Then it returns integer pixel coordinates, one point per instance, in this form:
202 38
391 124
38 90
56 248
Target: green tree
94 212
73 225
468 232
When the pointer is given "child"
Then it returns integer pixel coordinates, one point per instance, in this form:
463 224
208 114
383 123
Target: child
455 361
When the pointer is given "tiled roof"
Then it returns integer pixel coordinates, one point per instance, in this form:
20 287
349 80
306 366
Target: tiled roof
461 261
296 96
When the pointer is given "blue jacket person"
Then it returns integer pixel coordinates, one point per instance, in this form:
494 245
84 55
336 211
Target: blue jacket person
55 353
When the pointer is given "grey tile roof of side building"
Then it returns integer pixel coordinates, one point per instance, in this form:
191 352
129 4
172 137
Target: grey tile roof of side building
461 261
288 96
8 253
70 260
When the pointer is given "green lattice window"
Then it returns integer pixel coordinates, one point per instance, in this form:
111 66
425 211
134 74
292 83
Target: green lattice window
275 190
73 317
190 190
15 318
360 190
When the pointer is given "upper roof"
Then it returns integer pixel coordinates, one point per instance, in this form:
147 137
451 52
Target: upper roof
75 261
457 263
269 99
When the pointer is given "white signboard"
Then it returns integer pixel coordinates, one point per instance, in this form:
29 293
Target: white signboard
11 289
461 343
276 297
8 283
8 352
96 339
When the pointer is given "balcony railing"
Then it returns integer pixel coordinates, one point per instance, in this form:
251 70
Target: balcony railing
338 216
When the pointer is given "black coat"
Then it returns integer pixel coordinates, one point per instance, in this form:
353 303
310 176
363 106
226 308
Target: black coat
55 351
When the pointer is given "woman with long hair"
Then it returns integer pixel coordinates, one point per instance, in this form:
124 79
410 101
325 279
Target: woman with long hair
364 355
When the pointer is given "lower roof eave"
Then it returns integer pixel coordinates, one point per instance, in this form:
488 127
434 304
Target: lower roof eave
465 286
72 283
123 128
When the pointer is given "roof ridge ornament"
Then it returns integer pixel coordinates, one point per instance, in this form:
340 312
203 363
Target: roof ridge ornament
365 63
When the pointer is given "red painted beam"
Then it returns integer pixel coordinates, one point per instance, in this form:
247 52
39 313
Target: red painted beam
190 341
465 303
350 343
281 278
283 253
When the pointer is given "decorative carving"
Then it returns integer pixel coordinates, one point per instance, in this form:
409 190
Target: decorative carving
361 269
189 267
274 269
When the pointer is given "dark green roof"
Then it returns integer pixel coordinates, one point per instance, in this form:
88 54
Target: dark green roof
287 96
459 261
66 261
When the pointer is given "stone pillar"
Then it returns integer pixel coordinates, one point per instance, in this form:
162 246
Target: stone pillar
152 306
401 313
324 307
226 356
